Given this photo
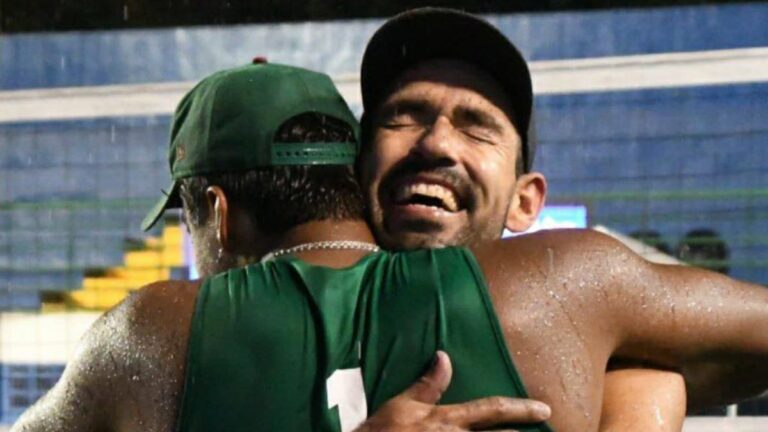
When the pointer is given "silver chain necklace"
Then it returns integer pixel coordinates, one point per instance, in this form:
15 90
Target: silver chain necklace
322 245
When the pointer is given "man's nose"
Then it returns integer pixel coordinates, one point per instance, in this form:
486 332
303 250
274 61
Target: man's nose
439 141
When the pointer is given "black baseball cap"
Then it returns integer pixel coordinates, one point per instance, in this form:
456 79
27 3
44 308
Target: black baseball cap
437 33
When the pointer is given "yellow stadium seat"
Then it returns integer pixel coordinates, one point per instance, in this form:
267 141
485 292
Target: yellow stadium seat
140 267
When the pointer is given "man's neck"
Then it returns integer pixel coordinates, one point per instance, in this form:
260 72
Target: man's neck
325 230
328 230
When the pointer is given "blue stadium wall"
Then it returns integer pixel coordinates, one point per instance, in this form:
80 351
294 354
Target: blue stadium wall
72 192
136 56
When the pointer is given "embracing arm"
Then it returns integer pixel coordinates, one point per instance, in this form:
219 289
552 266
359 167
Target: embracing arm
127 371
635 400
713 328
416 409
643 400
81 400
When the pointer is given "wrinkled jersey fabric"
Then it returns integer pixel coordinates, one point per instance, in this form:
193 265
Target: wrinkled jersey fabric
289 346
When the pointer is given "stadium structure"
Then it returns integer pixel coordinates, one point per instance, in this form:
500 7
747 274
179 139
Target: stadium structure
651 119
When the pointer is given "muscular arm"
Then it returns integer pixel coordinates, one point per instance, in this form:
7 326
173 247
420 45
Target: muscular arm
711 327
553 292
128 370
643 400
78 401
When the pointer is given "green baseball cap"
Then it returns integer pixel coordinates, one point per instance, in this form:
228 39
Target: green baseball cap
228 122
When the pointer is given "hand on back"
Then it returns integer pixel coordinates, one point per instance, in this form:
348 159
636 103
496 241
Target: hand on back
416 409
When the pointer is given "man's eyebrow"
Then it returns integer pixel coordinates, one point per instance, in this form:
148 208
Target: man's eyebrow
477 117
413 106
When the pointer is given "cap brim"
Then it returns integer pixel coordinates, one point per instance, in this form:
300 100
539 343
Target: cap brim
170 199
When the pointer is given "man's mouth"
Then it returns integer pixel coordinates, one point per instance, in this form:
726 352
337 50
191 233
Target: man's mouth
428 194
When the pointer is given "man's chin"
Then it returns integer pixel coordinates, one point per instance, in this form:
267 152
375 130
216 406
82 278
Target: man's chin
412 242
418 239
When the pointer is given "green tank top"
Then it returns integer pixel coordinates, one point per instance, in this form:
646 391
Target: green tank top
289 346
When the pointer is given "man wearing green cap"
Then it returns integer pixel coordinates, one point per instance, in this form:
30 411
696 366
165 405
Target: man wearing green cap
251 115
379 70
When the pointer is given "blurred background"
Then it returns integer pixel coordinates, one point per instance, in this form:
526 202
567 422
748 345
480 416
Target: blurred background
652 122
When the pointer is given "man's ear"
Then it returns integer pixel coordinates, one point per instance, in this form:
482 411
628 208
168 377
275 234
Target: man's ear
218 209
527 201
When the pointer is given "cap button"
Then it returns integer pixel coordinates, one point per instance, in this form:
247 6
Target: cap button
259 60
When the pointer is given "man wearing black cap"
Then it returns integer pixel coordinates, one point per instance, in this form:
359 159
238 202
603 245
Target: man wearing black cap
426 67
438 170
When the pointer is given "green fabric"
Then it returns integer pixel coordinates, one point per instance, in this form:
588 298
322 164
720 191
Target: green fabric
228 121
265 339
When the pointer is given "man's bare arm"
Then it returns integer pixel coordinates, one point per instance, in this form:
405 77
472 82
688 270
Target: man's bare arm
128 370
643 400
713 328
79 401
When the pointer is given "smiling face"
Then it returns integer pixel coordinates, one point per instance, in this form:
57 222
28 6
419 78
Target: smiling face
439 168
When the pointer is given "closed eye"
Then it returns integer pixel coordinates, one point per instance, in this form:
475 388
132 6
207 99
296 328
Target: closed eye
400 121
479 134
404 114
477 124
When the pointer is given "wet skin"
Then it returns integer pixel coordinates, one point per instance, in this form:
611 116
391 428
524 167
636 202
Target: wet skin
567 301
562 362
662 409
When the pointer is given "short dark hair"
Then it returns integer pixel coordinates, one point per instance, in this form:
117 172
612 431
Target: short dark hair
281 197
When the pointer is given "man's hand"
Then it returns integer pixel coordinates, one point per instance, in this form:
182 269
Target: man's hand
415 410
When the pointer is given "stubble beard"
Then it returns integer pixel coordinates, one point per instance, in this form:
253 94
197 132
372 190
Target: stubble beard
421 237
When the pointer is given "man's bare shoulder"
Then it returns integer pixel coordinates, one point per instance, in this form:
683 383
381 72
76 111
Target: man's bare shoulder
156 312
583 247
159 306
576 267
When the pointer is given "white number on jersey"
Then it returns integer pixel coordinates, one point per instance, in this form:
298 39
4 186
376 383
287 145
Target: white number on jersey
346 390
